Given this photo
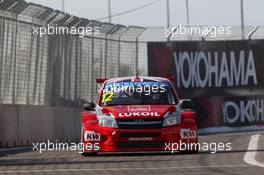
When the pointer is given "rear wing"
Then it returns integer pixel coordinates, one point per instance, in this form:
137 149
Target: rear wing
100 81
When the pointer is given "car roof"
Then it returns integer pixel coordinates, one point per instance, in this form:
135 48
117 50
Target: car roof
142 78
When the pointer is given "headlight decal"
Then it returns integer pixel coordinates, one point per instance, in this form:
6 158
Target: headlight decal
172 118
107 120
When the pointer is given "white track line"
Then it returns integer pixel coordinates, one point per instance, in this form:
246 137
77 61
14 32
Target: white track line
252 151
120 169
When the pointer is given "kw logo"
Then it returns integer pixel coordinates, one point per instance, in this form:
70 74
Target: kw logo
92 136
188 134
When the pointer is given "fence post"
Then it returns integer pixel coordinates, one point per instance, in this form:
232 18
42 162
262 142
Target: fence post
106 53
137 56
92 73
15 62
119 55
137 51
2 36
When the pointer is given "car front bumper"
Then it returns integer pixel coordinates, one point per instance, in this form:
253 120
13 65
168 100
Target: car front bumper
122 140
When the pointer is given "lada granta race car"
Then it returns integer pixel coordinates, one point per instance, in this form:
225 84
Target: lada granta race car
138 114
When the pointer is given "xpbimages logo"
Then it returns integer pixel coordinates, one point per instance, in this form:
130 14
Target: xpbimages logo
213 147
204 31
62 30
59 146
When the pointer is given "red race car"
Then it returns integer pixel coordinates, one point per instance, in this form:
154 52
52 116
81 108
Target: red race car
138 114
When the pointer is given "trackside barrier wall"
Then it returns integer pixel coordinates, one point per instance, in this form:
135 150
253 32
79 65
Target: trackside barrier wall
23 125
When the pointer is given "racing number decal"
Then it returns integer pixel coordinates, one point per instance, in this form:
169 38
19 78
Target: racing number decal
107 97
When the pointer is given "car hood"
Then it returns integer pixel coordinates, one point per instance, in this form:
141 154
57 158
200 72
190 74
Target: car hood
139 111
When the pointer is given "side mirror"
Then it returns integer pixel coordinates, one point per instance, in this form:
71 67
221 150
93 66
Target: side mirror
89 106
187 105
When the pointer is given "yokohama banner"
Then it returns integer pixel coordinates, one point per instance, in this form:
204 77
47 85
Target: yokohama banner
224 78
211 68
230 111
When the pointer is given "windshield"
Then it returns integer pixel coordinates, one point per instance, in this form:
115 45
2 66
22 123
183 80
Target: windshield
137 93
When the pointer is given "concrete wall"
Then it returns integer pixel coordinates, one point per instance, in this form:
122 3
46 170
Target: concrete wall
22 125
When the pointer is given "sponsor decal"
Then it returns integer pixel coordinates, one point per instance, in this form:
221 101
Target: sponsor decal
243 111
138 108
139 114
230 111
92 136
214 69
187 134
126 84
140 139
139 121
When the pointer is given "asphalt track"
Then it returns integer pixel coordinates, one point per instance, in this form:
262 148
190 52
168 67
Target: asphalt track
68 162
